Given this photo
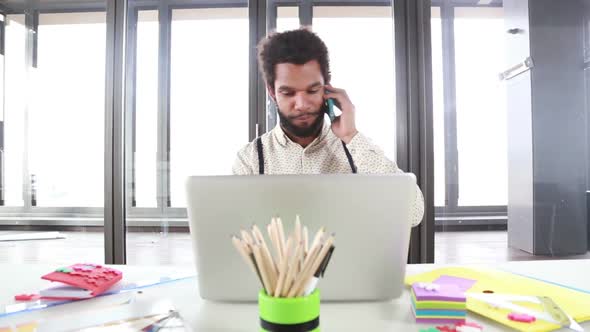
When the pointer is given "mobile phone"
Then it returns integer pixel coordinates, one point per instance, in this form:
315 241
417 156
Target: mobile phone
329 109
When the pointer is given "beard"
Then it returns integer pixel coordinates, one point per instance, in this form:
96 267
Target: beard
299 131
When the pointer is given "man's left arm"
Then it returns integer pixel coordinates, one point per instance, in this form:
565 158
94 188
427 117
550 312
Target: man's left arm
370 159
367 157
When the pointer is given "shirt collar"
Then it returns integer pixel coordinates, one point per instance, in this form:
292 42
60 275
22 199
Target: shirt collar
283 139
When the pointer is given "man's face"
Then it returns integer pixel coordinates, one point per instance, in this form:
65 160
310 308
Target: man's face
299 91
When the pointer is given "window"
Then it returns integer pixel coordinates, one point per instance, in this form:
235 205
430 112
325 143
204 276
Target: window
209 93
481 107
469 109
470 136
53 134
145 143
438 114
287 18
14 107
366 71
66 114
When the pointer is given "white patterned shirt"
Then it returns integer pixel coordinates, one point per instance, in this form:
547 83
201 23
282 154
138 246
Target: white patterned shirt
324 155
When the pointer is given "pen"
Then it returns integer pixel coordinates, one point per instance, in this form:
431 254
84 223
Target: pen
307 273
312 284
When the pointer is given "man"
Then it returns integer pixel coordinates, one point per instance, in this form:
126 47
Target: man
296 69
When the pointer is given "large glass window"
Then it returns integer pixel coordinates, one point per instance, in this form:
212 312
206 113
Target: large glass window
209 93
469 110
145 141
188 112
2 29
287 18
366 70
438 115
481 107
52 133
66 114
14 108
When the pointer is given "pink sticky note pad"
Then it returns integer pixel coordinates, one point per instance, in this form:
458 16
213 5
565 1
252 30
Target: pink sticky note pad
90 279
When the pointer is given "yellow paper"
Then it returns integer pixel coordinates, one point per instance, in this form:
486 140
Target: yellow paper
575 303
29 327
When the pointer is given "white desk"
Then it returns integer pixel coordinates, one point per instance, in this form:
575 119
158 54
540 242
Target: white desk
208 316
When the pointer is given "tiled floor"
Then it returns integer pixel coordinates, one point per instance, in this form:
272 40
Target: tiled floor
175 249
482 247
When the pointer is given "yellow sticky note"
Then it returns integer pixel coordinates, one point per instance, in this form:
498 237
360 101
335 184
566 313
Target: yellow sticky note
28 327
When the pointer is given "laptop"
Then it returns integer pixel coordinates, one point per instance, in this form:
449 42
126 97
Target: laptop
369 214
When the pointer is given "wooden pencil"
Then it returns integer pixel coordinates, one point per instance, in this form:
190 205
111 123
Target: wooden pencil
293 266
306 266
317 238
256 231
243 252
281 234
270 265
281 250
261 267
298 235
274 238
246 237
316 264
305 240
283 268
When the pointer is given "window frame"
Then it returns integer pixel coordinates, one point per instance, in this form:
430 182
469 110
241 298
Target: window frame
452 214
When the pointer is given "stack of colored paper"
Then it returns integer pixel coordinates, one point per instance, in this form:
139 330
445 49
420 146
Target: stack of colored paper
438 303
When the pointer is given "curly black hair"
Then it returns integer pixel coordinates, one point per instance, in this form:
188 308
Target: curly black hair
297 47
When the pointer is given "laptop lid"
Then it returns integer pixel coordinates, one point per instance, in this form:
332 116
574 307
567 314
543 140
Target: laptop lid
370 215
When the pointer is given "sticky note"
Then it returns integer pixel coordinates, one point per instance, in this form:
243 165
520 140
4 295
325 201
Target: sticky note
462 283
443 293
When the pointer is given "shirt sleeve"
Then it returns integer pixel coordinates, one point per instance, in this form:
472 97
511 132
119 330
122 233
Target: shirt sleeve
370 159
243 165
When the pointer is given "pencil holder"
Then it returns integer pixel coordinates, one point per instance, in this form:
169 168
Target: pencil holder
301 314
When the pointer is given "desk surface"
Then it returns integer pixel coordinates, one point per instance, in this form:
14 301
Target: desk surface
209 316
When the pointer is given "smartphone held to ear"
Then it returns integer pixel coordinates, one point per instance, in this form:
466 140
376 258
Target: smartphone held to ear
329 109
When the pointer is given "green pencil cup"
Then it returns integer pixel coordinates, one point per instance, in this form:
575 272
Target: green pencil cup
300 314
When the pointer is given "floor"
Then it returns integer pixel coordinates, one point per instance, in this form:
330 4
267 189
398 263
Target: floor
142 249
482 247
175 249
